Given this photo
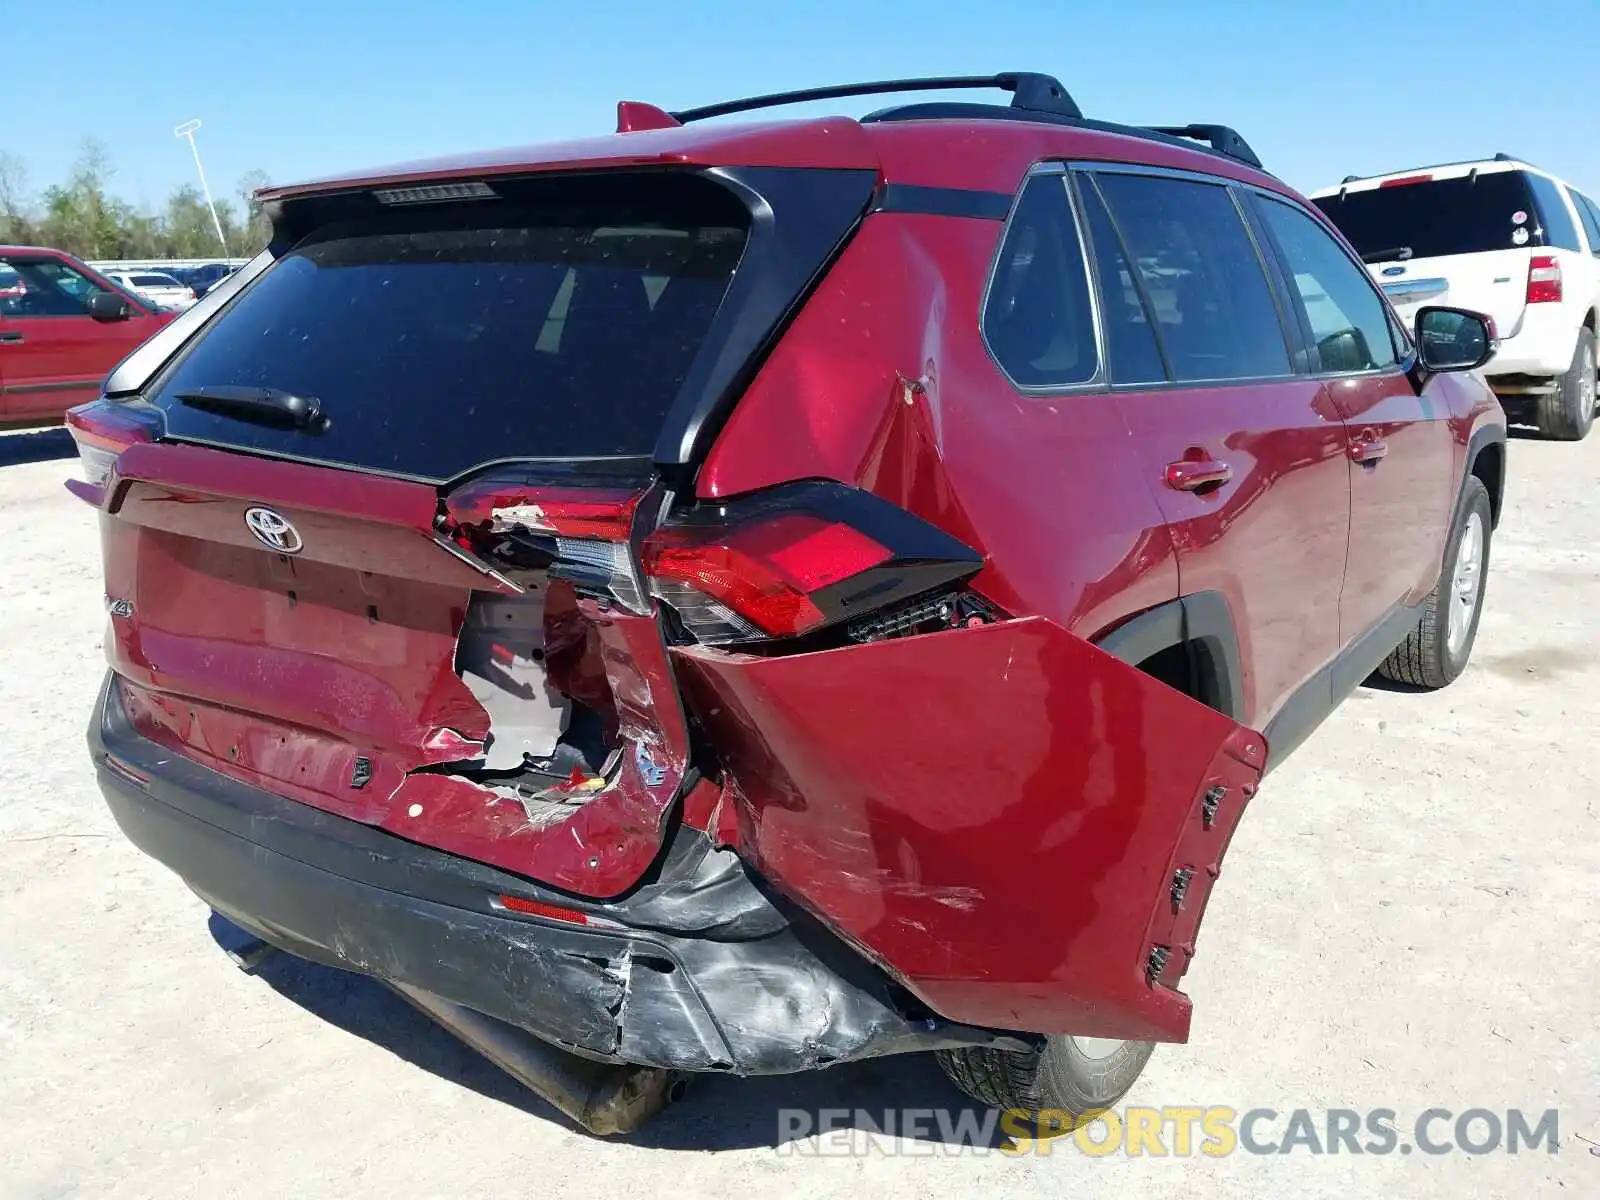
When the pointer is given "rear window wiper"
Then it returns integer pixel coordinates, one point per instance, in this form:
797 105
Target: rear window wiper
1398 252
260 405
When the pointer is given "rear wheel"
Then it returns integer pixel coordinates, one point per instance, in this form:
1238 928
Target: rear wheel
1436 651
1567 414
1067 1078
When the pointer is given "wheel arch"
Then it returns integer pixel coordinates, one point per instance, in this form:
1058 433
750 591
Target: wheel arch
1200 626
1486 461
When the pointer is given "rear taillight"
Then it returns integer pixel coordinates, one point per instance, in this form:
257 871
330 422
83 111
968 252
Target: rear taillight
778 564
103 429
796 560
1544 279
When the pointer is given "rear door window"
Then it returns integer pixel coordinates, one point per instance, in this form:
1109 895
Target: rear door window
1134 355
1214 310
1435 218
1559 229
1588 218
439 338
1037 318
1349 320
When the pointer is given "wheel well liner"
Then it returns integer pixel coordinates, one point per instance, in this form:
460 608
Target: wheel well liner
1203 625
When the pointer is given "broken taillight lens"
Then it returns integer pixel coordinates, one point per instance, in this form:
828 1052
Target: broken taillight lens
794 560
506 514
776 564
102 430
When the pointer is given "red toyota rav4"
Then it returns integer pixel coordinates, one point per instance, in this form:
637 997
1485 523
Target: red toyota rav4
745 597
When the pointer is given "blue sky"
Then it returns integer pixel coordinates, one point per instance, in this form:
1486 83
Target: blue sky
1320 89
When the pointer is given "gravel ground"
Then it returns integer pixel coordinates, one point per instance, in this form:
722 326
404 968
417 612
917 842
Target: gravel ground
1408 920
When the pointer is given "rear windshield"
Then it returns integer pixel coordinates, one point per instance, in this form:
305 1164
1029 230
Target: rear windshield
438 338
166 281
1445 216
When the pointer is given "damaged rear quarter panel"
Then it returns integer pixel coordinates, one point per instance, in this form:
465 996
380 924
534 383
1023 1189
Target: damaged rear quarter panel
995 814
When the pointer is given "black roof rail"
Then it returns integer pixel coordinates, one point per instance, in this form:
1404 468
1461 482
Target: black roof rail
1031 92
1034 97
1220 138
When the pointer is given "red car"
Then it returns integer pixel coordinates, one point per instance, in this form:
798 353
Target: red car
745 597
63 326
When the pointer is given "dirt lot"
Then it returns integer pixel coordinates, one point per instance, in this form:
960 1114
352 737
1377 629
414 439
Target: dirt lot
1410 919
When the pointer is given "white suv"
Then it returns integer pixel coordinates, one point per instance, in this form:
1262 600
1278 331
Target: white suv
1503 238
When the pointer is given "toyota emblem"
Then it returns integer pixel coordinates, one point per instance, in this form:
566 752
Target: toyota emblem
273 531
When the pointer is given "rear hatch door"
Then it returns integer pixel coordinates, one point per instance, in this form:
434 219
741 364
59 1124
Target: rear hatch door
378 559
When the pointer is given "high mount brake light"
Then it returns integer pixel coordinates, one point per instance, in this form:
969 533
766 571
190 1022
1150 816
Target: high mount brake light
102 430
1544 279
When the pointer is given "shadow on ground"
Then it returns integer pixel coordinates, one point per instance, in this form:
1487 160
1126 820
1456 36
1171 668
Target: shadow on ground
718 1113
36 445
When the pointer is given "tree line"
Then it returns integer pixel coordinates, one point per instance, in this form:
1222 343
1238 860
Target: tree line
84 217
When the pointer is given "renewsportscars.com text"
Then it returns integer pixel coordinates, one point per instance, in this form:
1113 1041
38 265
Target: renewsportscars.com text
1175 1131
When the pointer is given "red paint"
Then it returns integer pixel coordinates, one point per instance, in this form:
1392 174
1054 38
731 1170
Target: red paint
61 360
835 142
995 813
633 116
280 670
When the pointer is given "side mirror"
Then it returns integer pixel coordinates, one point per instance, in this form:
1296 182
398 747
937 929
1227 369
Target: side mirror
1453 339
103 306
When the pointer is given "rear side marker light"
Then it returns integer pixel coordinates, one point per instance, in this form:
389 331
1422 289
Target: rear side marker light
1544 279
434 193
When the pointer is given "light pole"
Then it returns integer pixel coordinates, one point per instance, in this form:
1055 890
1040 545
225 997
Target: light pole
186 130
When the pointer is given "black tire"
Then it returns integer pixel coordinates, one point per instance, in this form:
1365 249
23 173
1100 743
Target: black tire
1059 1081
1567 414
1426 659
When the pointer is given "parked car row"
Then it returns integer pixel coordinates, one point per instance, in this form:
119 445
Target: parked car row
667 615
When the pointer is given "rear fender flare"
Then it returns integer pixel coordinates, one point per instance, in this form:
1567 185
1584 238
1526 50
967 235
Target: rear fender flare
1201 620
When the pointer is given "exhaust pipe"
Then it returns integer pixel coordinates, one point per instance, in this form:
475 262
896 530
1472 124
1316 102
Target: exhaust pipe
604 1098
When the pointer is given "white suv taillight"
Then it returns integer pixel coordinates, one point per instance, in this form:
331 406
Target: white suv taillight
1544 279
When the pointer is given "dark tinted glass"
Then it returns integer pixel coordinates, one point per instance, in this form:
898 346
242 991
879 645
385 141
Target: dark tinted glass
1446 216
1038 319
1213 307
1559 229
440 340
1349 321
44 287
1590 213
1131 348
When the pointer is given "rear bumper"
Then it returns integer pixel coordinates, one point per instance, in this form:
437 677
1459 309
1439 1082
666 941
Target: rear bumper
698 971
1540 347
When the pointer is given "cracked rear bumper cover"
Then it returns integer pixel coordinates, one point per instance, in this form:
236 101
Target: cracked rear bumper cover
707 973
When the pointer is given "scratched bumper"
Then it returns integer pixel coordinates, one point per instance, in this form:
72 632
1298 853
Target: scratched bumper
697 971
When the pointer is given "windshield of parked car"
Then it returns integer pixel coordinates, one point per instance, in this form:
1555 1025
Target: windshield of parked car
1464 215
158 281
